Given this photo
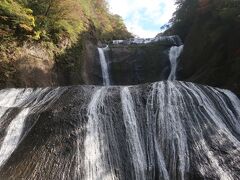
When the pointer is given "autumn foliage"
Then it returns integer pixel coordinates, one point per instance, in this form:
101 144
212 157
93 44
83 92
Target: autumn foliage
53 19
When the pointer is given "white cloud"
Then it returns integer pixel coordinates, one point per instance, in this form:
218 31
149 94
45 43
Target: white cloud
138 14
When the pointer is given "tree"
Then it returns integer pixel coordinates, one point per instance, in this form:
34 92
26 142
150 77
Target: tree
184 16
54 17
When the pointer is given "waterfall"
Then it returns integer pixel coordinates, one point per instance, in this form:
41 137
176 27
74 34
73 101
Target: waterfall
133 135
29 101
13 135
161 131
94 143
174 53
99 161
132 57
104 66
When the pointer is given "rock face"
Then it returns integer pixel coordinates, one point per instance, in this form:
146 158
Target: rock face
79 65
165 130
137 64
29 65
212 51
37 65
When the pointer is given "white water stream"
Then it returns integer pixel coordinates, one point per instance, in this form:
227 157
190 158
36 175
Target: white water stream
104 66
174 53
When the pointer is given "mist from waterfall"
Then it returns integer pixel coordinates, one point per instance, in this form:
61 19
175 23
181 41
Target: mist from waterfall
174 53
104 66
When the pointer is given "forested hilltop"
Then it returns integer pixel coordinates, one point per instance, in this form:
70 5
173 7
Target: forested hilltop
210 30
34 34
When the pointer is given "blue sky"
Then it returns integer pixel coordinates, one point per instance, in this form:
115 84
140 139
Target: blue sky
143 17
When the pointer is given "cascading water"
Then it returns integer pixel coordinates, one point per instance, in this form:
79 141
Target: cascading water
13 135
24 102
95 145
174 53
165 131
135 141
104 66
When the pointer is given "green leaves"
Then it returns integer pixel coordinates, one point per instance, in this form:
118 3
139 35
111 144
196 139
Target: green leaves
16 16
